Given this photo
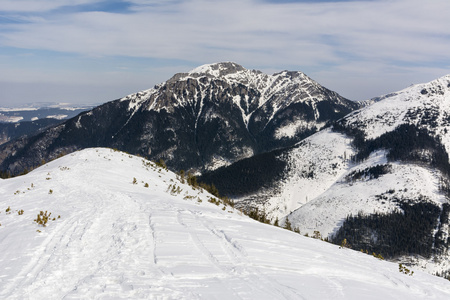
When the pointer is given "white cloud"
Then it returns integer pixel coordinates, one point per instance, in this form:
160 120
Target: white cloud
378 30
39 5
358 37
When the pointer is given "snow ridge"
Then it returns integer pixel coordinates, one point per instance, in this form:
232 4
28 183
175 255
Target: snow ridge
425 105
131 230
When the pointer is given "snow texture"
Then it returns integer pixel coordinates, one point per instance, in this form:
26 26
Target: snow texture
59 117
425 105
122 240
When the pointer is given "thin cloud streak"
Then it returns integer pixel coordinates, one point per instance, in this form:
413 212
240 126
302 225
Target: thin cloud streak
361 28
40 5
317 38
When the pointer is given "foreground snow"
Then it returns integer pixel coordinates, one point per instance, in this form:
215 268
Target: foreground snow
119 240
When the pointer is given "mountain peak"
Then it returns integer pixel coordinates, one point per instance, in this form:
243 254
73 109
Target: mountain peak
218 69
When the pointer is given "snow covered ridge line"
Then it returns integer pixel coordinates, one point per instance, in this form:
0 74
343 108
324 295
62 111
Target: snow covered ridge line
118 238
426 105
9 119
5 109
44 105
267 85
58 117
29 114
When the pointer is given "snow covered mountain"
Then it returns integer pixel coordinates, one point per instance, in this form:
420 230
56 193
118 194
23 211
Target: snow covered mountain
120 227
41 110
212 116
380 178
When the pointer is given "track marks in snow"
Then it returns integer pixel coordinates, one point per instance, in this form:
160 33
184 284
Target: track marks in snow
41 258
232 264
208 243
124 241
102 245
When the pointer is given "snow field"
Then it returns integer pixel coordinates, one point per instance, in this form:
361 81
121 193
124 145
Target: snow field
314 166
119 240
344 198
385 115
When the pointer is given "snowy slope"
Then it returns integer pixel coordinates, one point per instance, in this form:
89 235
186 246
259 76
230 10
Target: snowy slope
425 105
316 194
119 240
343 197
313 167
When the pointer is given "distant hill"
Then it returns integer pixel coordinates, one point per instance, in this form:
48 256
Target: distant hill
39 111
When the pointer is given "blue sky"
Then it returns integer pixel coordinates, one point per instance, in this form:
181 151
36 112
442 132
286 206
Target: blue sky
88 51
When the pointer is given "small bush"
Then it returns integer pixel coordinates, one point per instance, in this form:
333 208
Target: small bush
181 175
405 270
213 200
379 256
42 218
174 189
344 244
161 164
287 225
276 223
317 235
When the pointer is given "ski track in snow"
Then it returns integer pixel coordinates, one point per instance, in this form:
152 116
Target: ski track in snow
119 240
